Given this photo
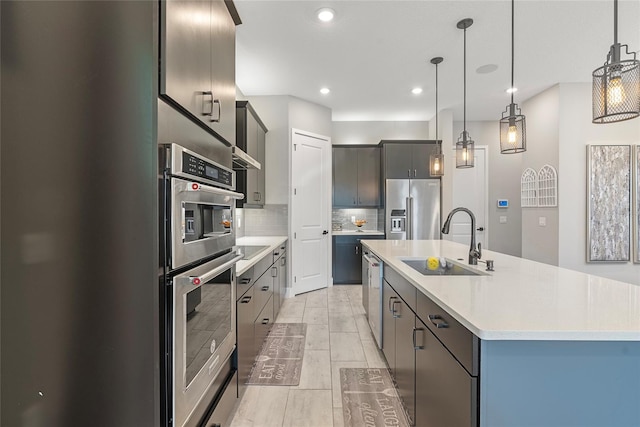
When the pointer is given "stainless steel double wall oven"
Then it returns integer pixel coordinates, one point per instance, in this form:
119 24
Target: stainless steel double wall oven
198 271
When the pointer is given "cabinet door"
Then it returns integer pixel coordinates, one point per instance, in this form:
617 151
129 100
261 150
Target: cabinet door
347 261
261 137
275 272
391 300
398 161
368 176
186 55
405 356
345 177
253 175
283 278
420 158
223 72
245 341
447 394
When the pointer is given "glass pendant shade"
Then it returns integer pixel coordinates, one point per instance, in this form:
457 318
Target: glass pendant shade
616 90
436 164
513 131
465 151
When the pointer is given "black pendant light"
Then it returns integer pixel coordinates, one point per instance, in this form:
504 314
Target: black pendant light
436 160
465 145
513 126
616 85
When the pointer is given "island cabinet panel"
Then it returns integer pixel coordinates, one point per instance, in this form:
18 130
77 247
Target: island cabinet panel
433 383
446 395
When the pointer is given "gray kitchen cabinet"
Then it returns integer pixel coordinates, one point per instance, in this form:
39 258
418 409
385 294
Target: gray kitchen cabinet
197 64
433 358
347 258
407 160
356 176
260 291
250 137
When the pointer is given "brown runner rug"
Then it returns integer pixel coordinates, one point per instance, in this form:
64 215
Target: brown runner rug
280 360
369 398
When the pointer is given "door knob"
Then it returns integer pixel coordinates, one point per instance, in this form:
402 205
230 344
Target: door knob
325 232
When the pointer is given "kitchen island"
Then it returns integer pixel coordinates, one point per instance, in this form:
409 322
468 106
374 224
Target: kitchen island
533 344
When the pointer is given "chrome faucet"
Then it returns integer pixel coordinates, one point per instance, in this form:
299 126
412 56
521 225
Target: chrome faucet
474 253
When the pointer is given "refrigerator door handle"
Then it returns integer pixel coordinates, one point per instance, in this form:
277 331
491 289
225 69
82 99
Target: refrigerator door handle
409 226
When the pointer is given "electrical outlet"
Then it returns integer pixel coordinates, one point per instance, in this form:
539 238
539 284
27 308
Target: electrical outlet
542 221
353 219
503 219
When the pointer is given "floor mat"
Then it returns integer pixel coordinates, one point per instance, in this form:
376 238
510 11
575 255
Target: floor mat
369 398
280 360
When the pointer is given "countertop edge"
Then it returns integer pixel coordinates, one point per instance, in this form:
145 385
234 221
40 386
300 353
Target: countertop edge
272 242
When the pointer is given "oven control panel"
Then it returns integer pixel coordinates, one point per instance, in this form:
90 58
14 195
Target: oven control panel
186 164
206 170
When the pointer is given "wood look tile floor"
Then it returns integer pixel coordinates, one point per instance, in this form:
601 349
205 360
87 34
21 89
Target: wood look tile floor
338 336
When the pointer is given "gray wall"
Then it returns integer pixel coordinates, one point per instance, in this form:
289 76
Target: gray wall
347 133
576 131
540 243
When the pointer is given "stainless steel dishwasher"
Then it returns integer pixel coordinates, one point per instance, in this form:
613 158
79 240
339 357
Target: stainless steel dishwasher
372 288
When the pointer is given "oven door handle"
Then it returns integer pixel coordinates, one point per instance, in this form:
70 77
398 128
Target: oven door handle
205 277
196 186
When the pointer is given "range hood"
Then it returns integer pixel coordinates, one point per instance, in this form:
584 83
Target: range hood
242 160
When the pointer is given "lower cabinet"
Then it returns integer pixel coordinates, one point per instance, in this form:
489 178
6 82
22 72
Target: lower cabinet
427 353
347 258
260 290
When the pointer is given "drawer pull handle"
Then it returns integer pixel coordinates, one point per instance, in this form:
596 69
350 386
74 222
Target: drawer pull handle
276 253
245 300
433 318
265 321
245 281
265 288
415 346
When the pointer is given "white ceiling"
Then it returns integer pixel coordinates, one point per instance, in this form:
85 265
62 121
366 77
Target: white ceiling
374 52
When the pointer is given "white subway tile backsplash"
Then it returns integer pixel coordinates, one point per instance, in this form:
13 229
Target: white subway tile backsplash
272 220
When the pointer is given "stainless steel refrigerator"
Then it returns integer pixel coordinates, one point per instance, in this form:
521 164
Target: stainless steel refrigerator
412 209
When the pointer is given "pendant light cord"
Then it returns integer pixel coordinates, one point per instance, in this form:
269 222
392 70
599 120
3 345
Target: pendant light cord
512 49
615 22
437 105
464 85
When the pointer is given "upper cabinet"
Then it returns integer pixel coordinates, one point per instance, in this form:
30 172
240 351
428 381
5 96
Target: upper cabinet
251 136
356 177
408 160
197 57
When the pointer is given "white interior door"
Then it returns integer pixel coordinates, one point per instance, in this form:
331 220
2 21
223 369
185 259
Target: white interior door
470 191
310 211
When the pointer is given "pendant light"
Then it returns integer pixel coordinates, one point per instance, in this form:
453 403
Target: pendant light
465 145
513 126
616 85
436 160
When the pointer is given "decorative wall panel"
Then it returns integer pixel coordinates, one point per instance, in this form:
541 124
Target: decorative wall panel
636 201
609 203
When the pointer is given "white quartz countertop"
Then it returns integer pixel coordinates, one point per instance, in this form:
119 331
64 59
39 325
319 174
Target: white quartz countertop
358 233
521 299
271 243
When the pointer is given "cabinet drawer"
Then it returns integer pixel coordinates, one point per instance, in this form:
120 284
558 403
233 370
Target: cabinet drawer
262 325
262 291
405 289
460 342
244 282
277 253
262 265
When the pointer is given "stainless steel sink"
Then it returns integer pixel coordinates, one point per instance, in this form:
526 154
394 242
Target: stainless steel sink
453 268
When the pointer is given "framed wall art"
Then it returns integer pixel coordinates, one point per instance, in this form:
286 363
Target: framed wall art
608 203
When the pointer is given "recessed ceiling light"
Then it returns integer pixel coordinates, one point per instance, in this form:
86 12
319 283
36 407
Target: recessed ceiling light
486 69
326 14
416 90
325 90
512 90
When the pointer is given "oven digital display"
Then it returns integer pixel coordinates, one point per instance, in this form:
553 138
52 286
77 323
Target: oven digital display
211 172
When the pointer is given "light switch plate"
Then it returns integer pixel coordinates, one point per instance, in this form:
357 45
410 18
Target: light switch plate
542 221
503 219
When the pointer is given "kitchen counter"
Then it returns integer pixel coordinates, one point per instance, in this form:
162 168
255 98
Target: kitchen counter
358 233
521 299
271 243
